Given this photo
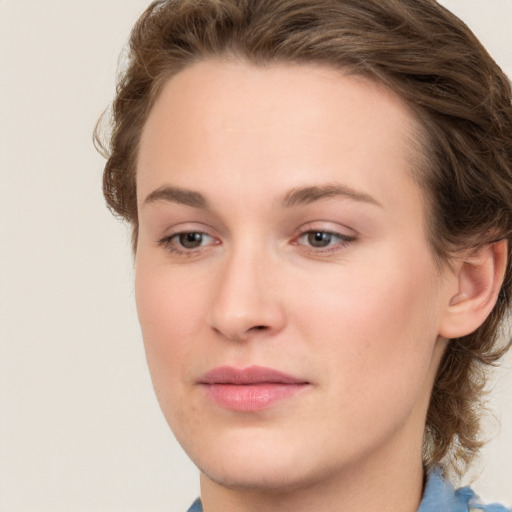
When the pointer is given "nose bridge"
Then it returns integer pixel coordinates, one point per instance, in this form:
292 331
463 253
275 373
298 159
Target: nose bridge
245 302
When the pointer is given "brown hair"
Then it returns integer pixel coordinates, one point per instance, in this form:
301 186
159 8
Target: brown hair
424 54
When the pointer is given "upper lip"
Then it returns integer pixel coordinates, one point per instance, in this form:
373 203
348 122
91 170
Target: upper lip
247 376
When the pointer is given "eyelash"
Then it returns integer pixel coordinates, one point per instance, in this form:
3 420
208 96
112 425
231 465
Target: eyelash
341 241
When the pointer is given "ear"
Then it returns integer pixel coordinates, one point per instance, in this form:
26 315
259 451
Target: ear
479 276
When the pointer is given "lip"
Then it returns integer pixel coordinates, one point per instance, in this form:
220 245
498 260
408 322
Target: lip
250 389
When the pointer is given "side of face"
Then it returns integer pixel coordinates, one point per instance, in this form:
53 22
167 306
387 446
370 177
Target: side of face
280 229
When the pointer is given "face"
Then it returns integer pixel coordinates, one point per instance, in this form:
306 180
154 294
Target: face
289 301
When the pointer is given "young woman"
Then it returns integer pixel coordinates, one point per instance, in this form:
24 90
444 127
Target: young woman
321 200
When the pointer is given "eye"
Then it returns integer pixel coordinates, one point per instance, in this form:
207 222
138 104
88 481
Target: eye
319 238
187 241
329 240
190 240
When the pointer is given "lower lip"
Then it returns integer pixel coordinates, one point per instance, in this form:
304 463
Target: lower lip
251 397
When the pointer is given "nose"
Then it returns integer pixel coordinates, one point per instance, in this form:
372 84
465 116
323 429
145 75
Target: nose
246 303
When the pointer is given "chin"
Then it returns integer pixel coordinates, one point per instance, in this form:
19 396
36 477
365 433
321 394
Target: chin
251 480
267 476
251 463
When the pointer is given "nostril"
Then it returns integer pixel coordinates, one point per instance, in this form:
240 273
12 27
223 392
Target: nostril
259 327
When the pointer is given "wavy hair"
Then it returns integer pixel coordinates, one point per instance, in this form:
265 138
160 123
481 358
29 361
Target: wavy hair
429 58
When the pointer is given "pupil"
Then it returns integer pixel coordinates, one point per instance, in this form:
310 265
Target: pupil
191 240
319 239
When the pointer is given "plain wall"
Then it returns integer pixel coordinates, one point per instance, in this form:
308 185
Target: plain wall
80 429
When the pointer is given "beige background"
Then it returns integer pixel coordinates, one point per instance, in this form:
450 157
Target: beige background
80 429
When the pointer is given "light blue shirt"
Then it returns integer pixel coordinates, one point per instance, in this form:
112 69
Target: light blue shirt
439 496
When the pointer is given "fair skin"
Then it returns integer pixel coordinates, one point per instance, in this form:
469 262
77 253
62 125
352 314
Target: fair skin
280 228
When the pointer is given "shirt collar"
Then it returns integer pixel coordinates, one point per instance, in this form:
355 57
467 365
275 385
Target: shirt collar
439 496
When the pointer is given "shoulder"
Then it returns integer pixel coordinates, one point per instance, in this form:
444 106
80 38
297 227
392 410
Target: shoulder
467 495
197 507
440 495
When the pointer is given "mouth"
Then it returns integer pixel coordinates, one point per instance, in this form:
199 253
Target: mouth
250 389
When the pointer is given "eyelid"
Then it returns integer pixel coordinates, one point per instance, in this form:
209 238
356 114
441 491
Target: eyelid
327 227
188 227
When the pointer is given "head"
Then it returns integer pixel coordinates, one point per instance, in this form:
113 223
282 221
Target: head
416 52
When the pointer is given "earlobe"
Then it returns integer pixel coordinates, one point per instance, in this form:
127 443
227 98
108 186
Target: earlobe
479 279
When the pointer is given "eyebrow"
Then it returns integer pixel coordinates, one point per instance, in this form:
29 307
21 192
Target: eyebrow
177 195
306 195
295 197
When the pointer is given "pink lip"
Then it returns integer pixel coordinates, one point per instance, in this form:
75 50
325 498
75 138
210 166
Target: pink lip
249 389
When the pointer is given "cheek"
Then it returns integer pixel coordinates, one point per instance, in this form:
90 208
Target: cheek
374 324
169 314
170 311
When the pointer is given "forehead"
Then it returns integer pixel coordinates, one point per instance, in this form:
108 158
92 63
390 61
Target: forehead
287 124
